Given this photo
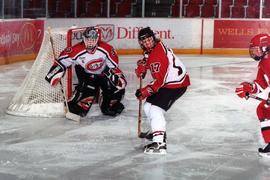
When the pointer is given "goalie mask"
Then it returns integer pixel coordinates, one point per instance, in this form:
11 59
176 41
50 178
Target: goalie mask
147 39
90 38
259 46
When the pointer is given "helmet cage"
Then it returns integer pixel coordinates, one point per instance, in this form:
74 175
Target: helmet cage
256 53
90 37
259 46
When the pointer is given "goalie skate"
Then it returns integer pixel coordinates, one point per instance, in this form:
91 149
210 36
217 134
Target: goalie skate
156 148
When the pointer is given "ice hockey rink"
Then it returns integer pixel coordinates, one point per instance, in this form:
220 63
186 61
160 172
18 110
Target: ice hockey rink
212 134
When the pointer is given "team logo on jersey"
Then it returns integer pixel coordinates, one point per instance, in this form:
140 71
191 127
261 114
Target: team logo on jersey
107 32
94 65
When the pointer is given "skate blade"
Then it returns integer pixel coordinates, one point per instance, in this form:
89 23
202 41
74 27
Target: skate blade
73 117
160 152
267 155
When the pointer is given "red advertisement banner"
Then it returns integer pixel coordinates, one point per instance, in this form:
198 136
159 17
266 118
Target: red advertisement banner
237 34
20 37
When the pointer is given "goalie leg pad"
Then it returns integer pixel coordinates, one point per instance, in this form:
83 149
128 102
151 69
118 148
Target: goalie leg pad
82 107
82 100
110 104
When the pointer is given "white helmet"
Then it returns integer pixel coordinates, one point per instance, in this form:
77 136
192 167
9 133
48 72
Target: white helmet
90 37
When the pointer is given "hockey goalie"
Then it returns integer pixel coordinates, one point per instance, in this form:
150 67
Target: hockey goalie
259 48
96 66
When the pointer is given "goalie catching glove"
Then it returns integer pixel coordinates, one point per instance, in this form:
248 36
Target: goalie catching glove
116 77
55 74
244 90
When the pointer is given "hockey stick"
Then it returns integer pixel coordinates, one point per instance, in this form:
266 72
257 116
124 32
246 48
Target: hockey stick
69 115
258 98
140 112
148 135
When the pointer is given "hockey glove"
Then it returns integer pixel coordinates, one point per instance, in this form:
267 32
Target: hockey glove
55 74
143 93
141 68
244 90
116 77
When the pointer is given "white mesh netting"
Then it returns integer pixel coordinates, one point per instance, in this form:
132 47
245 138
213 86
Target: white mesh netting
36 97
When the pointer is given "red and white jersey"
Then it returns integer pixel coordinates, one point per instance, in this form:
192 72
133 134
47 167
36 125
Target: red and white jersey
92 62
262 80
166 69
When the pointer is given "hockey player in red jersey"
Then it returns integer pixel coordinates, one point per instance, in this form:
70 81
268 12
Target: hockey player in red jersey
259 50
170 82
96 66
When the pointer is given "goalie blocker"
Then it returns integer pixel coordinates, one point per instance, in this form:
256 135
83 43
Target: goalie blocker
55 74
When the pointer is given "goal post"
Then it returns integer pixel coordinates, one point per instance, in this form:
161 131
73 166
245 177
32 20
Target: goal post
35 97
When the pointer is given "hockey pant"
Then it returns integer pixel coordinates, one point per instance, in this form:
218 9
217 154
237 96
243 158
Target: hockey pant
263 113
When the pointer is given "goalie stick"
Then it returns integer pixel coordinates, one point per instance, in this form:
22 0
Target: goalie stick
69 115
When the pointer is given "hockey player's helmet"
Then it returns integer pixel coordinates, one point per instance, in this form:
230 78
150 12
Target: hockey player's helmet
146 38
259 46
90 37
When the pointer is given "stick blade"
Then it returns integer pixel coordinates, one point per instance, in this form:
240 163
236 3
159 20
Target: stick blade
147 135
142 134
73 117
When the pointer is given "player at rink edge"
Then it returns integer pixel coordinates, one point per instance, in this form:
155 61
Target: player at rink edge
96 66
170 82
259 48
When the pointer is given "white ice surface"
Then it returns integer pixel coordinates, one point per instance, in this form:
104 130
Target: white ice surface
212 134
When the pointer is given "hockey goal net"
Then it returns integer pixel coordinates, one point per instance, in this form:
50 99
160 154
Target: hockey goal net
36 97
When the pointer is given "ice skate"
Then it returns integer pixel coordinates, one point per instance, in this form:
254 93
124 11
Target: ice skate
265 151
149 136
159 145
156 148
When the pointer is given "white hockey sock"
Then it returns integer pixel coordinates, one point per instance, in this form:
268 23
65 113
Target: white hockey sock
158 136
146 108
158 122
